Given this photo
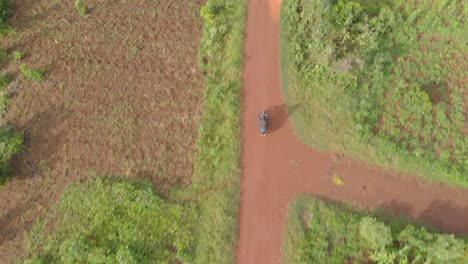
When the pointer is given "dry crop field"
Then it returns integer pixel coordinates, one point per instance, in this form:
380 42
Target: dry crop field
121 95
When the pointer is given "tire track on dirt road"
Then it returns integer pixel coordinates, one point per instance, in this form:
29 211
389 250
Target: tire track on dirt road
278 166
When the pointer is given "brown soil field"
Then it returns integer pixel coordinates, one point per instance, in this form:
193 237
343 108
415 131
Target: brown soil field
122 95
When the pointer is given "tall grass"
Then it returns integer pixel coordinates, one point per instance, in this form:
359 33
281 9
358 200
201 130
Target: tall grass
379 81
216 180
320 231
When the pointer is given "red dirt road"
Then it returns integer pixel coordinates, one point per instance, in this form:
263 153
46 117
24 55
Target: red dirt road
278 166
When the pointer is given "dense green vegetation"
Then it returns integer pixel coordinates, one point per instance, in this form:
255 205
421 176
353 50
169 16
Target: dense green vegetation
324 232
5 12
110 220
216 181
384 81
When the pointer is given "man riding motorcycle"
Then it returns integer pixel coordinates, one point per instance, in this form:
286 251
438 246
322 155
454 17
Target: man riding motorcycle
263 122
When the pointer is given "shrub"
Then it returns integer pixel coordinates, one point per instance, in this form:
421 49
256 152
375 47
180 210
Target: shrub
376 234
81 8
333 234
111 220
32 74
18 55
431 248
5 12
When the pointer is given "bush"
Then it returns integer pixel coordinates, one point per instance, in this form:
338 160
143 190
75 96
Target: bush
18 55
111 220
326 232
375 233
5 12
430 248
11 143
32 74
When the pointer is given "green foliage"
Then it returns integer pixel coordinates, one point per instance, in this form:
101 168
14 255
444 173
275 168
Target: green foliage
11 143
32 74
324 232
81 8
216 178
109 220
376 234
17 55
383 81
5 12
425 247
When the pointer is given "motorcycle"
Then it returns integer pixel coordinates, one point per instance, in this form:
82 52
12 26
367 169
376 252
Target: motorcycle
263 123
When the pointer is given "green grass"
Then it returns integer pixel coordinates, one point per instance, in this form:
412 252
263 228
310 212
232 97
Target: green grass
112 220
380 82
324 232
32 74
216 181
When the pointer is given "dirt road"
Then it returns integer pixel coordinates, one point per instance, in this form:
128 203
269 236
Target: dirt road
278 166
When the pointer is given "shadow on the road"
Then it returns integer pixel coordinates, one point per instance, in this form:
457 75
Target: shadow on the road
278 116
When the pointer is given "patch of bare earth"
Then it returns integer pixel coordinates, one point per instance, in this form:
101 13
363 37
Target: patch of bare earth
122 96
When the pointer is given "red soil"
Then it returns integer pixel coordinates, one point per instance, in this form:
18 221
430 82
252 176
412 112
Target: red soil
278 166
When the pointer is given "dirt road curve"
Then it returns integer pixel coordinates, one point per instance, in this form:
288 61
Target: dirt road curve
278 166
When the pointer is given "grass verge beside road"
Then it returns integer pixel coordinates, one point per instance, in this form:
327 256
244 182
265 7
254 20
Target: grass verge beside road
216 180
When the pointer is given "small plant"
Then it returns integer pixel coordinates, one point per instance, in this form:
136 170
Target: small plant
134 50
81 8
32 74
17 55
